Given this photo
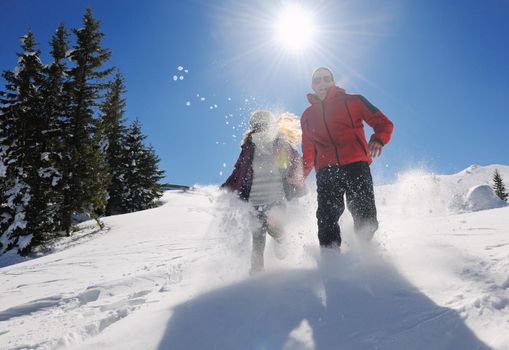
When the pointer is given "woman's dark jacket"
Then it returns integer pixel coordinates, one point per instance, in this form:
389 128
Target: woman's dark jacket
289 163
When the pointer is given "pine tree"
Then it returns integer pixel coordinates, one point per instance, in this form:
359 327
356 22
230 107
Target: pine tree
64 148
25 198
498 186
56 109
87 177
113 129
141 174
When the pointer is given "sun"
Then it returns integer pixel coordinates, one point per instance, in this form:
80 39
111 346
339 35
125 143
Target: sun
294 28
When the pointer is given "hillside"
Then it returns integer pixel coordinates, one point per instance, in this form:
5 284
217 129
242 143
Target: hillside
175 277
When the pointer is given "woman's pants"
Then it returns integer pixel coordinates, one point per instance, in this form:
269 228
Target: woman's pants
259 235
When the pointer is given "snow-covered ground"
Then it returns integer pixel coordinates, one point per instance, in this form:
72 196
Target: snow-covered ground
176 277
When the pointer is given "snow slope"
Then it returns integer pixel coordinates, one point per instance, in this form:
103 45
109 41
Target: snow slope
175 277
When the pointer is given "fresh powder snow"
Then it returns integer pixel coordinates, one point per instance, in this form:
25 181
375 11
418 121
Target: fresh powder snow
436 276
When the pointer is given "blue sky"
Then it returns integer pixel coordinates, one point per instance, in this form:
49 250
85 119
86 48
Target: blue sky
438 69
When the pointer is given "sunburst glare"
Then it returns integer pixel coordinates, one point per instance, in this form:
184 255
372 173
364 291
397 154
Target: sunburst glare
268 39
294 28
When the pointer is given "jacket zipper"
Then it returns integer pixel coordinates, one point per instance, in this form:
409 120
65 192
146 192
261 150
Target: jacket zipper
361 144
350 114
314 157
328 131
315 152
353 127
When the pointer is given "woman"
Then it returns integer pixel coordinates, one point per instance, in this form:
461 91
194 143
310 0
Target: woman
267 174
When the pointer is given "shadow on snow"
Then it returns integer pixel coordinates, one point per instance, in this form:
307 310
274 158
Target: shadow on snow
346 304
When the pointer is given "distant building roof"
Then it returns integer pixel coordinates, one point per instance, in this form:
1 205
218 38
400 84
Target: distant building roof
173 187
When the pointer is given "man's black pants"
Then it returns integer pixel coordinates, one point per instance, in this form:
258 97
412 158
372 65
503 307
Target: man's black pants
333 183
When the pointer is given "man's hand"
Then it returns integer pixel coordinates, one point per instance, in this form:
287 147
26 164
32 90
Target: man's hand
375 148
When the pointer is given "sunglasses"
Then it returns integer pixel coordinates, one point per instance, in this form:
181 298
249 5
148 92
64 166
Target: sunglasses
326 79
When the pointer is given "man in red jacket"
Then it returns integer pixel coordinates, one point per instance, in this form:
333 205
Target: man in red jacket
334 143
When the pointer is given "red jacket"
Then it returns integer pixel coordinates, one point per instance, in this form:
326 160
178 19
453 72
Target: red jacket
333 129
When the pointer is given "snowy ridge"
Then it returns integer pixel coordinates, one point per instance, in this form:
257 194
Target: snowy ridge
175 277
418 192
